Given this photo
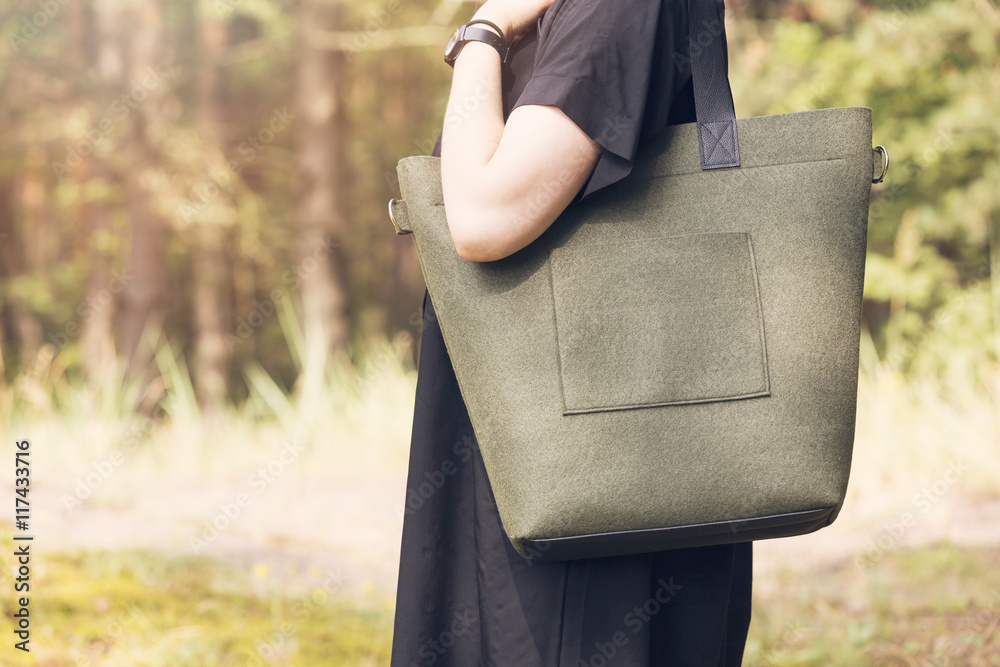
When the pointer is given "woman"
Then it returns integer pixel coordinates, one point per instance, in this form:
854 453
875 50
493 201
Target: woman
584 84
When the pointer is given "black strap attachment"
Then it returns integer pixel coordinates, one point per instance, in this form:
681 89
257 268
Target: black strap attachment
713 97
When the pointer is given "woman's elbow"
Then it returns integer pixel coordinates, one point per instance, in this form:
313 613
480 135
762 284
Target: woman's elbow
476 252
476 237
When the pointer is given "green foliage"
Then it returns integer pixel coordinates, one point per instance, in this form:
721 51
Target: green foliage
51 103
930 71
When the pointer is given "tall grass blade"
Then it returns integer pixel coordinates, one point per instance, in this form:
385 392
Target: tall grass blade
182 403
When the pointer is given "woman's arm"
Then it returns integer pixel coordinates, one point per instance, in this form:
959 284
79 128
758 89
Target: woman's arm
505 184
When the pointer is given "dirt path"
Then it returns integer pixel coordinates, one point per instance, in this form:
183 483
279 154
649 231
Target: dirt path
332 507
348 525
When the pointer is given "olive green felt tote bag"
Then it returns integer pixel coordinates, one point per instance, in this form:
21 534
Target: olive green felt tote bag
674 362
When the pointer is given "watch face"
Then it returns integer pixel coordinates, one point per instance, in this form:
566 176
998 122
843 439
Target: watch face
450 46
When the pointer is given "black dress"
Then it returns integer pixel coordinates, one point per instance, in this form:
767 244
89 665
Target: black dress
465 598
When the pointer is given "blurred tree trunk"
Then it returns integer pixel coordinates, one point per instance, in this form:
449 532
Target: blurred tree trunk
211 358
97 325
7 255
406 289
210 261
143 298
93 179
31 235
321 224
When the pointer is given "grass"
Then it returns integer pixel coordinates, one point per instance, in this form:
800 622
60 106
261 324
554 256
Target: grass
132 609
933 606
909 433
927 607
919 604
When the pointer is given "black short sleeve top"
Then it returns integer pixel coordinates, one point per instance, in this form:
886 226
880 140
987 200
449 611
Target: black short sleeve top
618 68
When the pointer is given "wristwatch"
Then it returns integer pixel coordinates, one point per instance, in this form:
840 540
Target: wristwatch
466 32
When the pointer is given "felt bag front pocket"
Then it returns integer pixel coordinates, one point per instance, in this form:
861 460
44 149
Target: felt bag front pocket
660 321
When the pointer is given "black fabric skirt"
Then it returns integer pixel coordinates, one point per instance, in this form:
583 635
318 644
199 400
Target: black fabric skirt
466 598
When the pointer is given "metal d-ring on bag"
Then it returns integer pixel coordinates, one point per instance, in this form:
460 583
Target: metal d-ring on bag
674 362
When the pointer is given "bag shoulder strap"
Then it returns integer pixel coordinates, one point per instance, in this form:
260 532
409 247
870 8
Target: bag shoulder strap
713 97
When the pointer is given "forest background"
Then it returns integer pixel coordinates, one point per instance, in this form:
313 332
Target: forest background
197 273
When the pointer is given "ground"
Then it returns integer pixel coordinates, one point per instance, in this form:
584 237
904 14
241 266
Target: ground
907 575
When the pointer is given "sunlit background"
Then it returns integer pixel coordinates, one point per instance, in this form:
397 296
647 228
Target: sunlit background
209 331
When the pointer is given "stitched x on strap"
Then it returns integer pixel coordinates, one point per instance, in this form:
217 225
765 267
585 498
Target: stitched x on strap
719 147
